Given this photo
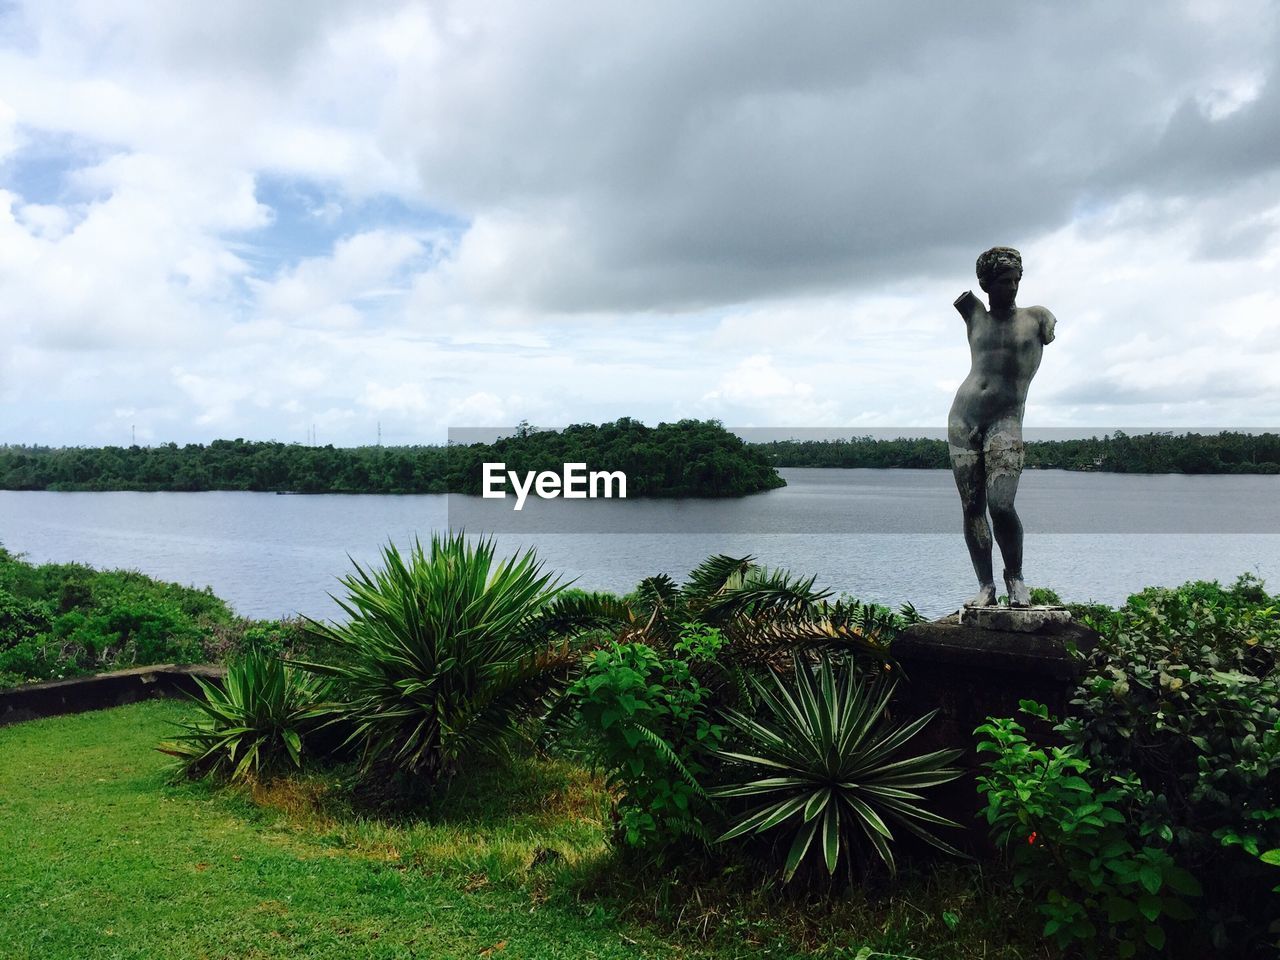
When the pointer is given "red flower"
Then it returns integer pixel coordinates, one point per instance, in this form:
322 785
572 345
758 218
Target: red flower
1031 840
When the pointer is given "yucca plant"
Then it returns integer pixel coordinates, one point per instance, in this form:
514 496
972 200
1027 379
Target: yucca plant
826 763
252 723
446 652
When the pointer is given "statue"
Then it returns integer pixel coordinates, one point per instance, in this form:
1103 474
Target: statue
984 428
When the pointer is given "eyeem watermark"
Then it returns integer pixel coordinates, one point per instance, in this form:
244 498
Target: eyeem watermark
572 483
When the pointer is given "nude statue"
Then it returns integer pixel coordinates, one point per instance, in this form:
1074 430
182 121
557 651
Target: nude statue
984 428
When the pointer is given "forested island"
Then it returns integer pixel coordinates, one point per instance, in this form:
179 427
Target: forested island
690 458
1117 452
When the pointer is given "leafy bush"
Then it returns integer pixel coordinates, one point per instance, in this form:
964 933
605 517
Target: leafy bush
287 637
654 732
823 755
139 631
1046 596
1097 878
252 724
1183 694
762 616
444 654
683 652
60 620
22 655
32 659
21 618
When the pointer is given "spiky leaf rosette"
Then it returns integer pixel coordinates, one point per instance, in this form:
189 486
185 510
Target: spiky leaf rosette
447 651
827 765
254 721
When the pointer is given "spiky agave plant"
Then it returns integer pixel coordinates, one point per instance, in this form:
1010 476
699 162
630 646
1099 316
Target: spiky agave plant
254 721
446 651
825 763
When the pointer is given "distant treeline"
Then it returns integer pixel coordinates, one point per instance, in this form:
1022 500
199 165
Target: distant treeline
690 458
1114 453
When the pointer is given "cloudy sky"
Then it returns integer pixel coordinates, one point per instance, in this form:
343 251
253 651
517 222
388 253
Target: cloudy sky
251 218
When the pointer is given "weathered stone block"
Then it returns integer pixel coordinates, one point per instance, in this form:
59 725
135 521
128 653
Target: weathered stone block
78 694
969 673
1014 619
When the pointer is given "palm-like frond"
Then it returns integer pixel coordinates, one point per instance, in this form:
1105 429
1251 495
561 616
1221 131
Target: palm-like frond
909 614
657 591
764 614
573 614
712 577
530 687
761 594
825 764
877 624
765 641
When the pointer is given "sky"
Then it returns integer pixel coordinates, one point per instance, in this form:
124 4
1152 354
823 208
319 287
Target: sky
286 221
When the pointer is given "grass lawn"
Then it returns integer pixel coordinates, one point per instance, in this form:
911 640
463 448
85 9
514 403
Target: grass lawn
101 857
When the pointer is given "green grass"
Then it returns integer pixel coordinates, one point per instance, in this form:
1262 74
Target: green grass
100 856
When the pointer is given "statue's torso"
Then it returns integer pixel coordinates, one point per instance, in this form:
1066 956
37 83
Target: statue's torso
1005 353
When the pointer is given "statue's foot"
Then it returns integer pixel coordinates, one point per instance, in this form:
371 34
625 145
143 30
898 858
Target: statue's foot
1019 595
985 597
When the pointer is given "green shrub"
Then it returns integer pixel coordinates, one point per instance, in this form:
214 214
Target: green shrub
653 734
60 620
276 637
763 614
21 618
1045 596
824 761
1102 883
444 654
74 594
36 659
683 652
1183 691
132 632
1183 694
252 724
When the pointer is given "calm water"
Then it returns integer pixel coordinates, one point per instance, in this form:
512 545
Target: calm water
889 536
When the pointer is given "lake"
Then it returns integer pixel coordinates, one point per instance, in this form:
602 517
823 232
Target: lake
884 535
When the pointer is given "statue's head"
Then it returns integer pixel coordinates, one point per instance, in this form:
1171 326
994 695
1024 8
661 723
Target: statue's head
997 260
999 271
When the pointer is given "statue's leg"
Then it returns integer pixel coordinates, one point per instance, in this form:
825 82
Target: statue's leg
965 446
1003 452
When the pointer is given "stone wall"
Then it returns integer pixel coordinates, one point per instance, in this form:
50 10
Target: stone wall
34 700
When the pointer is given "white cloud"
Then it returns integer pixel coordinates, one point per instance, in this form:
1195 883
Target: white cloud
216 398
139 262
9 137
725 209
480 409
404 399
360 267
756 387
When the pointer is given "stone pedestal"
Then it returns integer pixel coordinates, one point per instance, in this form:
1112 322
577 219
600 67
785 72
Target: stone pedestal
1035 619
979 663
